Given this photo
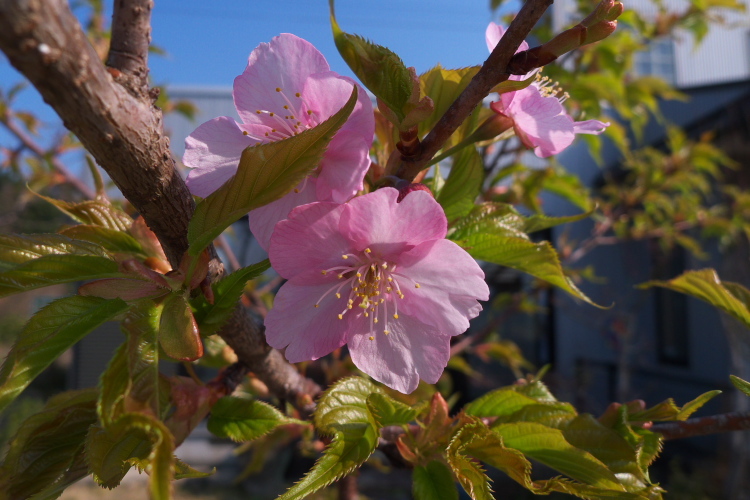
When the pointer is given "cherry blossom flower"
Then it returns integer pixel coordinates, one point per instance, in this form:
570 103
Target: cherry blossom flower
378 275
286 88
536 112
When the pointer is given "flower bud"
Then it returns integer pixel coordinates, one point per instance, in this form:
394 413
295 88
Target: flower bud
607 10
599 31
404 188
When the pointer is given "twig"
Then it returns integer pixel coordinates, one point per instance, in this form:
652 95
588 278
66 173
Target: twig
35 148
493 71
347 486
703 426
223 245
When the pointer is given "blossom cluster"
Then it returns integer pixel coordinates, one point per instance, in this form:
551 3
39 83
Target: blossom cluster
373 271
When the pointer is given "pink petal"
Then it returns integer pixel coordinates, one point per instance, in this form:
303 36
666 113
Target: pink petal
262 220
412 350
308 242
307 332
448 293
590 127
543 121
343 167
213 152
389 228
494 33
326 93
284 63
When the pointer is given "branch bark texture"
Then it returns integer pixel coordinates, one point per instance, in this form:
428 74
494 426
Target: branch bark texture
119 125
714 424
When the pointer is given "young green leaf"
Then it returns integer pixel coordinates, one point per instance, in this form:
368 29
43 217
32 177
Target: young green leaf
46 454
463 184
144 387
507 401
266 172
242 419
56 269
113 240
433 481
17 249
108 451
742 385
94 212
696 404
387 411
342 411
705 285
379 69
49 333
227 293
178 331
443 86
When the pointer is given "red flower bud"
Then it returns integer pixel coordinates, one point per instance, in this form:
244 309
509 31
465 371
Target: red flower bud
405 188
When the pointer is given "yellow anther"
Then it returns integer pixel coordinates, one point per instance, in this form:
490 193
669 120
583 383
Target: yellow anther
359 275
271 114
349 306
367 250
372 338
341 316
244 132
384 265
297 94
278 89
386 332
324 272
416 285
389 289
390 279
286 107
257 111
375 320
266 134
309 112
344 257
367 315
296 190
273 129
338 295
316 305
341 276
395 316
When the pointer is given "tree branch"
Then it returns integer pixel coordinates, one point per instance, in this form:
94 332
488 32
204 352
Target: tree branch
123 132
703 426
131 36
493 71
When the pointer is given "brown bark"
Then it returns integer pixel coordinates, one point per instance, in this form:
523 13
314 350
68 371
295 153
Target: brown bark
119 125
704 426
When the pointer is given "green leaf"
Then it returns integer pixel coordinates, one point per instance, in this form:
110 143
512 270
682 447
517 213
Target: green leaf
342 411
443 86
507 401
56 269
112 240
696 404
108 451
242 419
184 471
144 387
178 331
49 333
266 172
706 285
93 212
549 446
463 184
433 481
227 292
379 69
46 454
742 385
539 222
387 411
17 249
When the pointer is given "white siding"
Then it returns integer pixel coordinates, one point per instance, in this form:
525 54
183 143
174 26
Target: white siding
722 57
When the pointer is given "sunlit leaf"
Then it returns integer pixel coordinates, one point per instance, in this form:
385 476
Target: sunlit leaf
343 412
462 186
387 411
56 269
49 333
266 172
706 285
243 419
740 384
178 331
379 69
19 248
93 212
113 240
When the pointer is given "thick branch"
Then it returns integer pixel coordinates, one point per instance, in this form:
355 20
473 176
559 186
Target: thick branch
123 131
703 426
131 36
493 71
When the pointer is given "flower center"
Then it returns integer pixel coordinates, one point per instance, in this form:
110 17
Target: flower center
293 117
548 88
370 287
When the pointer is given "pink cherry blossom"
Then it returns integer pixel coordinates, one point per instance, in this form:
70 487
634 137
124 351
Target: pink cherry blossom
379 276
286 88
536 112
